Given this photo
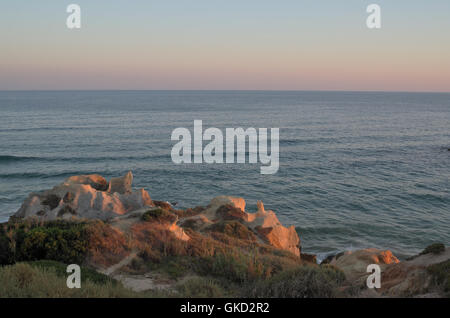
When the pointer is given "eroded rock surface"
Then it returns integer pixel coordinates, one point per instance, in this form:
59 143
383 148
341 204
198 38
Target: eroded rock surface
264 224
85 196
354 263
408 278
93 197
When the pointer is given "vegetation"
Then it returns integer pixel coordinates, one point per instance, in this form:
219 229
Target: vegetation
66 242
202 287
436 248
60 241
440 274
158 214
222 262
87 274
303 282
6 251
106 245
234 229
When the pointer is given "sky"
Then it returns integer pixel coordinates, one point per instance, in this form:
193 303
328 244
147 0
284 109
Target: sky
227 44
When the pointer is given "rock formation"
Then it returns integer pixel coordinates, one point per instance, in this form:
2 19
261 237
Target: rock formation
412 277
136 229
409 278
354 263
92 197
264 224
121 185
86 196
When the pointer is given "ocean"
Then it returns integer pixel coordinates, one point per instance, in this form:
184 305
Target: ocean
357 169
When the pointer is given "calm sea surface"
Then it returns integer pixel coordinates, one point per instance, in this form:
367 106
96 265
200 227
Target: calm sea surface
356 169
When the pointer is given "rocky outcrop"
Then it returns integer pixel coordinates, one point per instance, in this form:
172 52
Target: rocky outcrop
96 181
93 197
86 196
354 263
121 185
264 224
413 277
137 229
410 278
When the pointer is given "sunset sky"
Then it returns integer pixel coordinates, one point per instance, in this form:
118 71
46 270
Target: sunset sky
211 44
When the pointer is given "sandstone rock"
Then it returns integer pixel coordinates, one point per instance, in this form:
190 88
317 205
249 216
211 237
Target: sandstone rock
264 223
76 197
281 237
354 263
219 201
84 197
163 204
96 181
411 278
121 185
178 232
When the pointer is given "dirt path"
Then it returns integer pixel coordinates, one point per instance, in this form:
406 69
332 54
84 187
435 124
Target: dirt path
127 260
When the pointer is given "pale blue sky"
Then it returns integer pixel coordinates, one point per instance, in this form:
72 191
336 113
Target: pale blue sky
210 44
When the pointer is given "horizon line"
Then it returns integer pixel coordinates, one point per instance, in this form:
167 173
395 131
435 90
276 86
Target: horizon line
221 90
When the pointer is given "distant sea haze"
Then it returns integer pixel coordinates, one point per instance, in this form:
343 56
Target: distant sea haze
356 169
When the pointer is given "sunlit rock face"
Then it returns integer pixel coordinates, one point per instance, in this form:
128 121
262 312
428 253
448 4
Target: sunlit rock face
264 223
93 197
121 185
94 180
412 277
86 196
354 263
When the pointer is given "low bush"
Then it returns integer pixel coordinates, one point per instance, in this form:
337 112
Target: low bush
234 229
440 274
158 214
436 248
66 242
200 287
234 266
6 250
106 246
303 282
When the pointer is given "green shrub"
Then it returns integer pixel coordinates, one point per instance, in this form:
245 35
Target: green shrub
200 287
440 274
436 248
158 215
234 266
6 251
303 282
174 269
60 241
234 229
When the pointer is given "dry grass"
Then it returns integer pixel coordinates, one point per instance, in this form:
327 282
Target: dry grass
25 281
303 282
107 245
